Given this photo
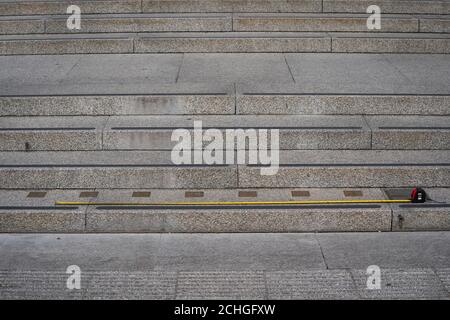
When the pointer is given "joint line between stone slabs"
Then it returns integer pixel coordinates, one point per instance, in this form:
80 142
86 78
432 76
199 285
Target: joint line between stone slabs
321 251
289 67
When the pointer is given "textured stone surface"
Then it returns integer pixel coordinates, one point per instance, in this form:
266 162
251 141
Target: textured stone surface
144 219
391 43
232 6
402 284
406 132
395 250
435 218
296 132
146 23
435 24
325 284
388 6
114 105
221 285
343 104
321 22
32 220
227 42
47 44
60 7
70 133
20 26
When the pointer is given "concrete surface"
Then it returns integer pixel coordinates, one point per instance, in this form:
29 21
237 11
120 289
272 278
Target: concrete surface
234 266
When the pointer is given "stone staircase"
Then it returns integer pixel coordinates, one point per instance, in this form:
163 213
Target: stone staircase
88 115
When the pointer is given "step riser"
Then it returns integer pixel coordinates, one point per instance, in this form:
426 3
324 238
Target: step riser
288 140
223 221
220 221
60 7
345 104
389 6
380 45
211 45
322 24
210 177
224 45
222 24
348 176
122 177
225 104
117 105
146 25
74 46
157 6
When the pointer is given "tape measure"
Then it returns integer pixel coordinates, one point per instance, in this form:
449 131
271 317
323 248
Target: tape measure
418 195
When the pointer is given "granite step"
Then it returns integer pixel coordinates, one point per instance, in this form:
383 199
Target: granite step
155 132
55 7
205 101
35 210
409 132
224 42
50 7
298 132
155 169
223 22
116 23
22 211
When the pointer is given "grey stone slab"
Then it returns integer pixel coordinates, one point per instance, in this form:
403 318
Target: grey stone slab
89 70
279 220
95 252
231 6
230 68
418 219
390 43
76 170
311 284
219 103
55 133
239 220
60 7
296 132
352 169
231 42
444 276
137 285
435 215
320 23
402 284
105 285
18 70
69 44
21 26
343 104
15 219
238 252
221 285
388 6
333 73
118 177
387 250
131 69
435 24
434 70
145 23
36 285
410 132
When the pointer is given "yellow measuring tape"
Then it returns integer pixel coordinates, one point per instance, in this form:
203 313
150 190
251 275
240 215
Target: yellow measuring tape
225 203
